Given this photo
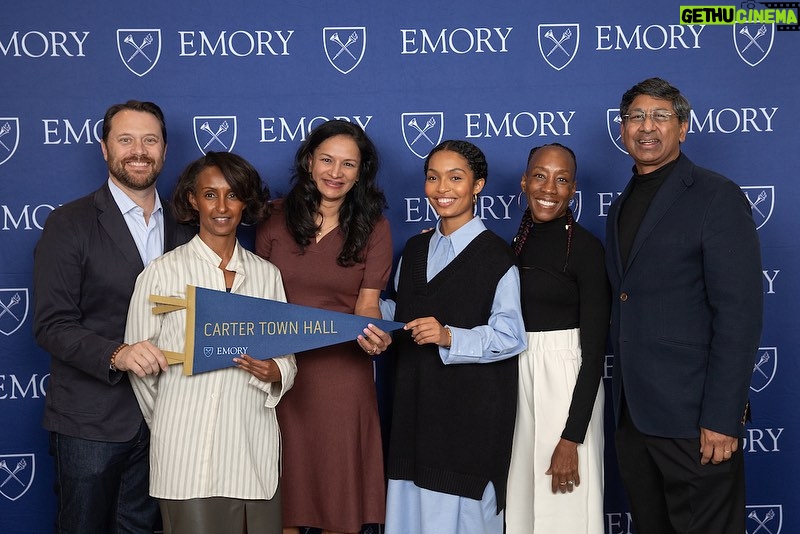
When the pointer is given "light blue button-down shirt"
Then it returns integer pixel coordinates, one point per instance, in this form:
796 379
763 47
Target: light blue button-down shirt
148 236
504 336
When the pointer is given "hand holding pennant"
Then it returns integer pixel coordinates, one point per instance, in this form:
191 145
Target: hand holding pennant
221 325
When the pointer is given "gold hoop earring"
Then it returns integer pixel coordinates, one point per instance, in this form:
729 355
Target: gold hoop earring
475 199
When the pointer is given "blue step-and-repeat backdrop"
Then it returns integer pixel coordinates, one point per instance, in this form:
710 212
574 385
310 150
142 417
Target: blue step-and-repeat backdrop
255 76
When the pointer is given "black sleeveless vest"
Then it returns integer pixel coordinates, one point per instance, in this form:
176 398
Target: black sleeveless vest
452 425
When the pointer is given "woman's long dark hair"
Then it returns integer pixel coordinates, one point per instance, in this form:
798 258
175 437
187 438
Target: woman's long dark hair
362 207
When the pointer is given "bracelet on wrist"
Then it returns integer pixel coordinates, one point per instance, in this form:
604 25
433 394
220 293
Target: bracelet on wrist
112 365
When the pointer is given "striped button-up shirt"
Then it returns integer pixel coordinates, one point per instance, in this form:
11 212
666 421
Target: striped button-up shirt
215 433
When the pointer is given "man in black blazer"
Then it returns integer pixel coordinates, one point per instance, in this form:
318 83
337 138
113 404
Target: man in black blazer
684 263
85 266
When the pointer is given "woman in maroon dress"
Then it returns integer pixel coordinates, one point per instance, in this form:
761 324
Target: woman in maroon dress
333 247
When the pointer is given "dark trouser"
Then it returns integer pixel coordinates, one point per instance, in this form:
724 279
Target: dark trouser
670 492
221 515
103 486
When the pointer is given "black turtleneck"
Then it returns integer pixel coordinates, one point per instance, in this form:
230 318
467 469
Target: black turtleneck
555 298
633 210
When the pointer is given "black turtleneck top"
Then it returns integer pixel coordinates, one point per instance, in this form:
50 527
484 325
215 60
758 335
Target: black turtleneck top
632 211
555 298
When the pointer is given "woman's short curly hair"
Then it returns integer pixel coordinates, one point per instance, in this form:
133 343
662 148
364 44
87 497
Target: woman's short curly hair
241 176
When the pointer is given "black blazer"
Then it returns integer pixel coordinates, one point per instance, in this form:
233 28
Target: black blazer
85 267
687 308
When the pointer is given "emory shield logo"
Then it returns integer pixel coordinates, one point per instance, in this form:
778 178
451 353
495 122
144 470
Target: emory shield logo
575 205
217 133
764 368
208 351
422 131
9 137
139 49
344 46
13 309
613 121
762 200
16 474
753 41
764 519
558 43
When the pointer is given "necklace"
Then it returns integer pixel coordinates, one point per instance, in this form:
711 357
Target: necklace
322 228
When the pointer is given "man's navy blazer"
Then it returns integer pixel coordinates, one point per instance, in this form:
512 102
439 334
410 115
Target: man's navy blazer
85 268
687 307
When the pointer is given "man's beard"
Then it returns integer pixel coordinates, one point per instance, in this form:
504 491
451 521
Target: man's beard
135 182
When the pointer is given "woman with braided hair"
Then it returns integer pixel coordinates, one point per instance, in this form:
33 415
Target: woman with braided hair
555 482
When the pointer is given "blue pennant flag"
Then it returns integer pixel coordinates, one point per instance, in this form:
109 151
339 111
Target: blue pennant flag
221 326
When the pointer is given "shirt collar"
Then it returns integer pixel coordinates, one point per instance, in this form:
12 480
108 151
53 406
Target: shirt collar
206 254
126 203
461 237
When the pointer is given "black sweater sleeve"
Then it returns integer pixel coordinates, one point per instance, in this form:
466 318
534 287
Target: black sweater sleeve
595 307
